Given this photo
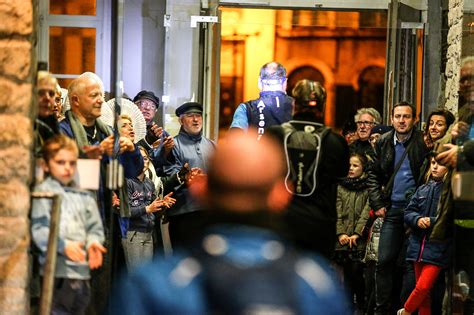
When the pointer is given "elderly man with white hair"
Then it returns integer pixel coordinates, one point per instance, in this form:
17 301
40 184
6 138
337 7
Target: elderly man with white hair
365 118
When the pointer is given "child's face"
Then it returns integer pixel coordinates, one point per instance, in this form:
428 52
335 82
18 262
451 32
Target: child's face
62 166
146 160
355 167
437 170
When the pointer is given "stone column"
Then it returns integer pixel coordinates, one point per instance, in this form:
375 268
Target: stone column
16 73
453 64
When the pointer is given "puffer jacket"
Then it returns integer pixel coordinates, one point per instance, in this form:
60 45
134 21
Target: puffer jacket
424 203
353 208
381 170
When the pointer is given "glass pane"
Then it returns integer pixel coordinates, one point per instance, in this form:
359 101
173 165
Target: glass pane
71 50
72 7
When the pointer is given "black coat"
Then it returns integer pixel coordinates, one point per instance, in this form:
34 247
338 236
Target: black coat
383 167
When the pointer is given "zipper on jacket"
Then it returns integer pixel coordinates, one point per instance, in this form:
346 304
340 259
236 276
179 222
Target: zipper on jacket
422 248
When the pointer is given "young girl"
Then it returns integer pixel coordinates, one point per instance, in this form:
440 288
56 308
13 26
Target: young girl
429 257
81 233
352 214
138 246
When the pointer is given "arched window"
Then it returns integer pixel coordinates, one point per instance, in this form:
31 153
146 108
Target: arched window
304 72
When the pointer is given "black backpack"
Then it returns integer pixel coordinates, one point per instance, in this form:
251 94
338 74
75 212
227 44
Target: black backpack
302 144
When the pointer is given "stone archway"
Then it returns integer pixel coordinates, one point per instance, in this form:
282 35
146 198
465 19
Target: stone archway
303 72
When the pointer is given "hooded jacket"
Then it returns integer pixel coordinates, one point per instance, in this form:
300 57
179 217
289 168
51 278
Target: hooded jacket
424 203
353 208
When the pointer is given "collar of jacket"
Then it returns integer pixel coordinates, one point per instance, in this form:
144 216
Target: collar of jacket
271 93
195 138
405 142
355 184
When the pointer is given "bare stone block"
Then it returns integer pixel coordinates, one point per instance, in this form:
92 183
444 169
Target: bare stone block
15 58
16 17
15 163
14 199
16 129
14 97
13 233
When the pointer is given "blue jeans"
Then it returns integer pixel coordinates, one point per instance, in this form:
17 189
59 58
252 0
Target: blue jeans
391 241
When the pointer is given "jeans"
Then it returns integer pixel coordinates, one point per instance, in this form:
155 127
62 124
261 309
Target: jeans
391 241
138 248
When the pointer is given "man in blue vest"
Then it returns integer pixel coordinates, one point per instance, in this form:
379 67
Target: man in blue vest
273 107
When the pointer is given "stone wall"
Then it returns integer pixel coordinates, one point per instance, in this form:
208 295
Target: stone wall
16 72
453 54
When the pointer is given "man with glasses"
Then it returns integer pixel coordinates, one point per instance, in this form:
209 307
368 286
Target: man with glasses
157 141
192 148
365 119
399 155
273 107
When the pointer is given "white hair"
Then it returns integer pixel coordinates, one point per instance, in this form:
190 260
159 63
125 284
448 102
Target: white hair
371 111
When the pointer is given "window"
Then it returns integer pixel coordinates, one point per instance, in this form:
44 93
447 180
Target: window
71 37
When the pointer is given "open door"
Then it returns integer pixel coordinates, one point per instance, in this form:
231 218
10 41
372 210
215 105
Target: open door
404 67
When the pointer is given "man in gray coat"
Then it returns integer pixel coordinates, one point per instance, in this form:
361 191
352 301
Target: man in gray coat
191 148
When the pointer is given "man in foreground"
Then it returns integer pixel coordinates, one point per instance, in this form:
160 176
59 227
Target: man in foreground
240 265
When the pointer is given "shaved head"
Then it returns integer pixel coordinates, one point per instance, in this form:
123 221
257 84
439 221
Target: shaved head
245 173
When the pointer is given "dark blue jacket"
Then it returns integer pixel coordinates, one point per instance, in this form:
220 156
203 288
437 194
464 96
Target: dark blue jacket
140 195
424 203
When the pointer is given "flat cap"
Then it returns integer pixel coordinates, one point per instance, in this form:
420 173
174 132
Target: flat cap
381 129
149 95
189 107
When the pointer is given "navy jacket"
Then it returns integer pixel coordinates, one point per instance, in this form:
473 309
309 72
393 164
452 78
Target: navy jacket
140 195
424 203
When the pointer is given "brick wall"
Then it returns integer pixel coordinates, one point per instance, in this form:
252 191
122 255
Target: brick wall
453 54
16 72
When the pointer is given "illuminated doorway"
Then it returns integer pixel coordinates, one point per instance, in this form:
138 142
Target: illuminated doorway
333 47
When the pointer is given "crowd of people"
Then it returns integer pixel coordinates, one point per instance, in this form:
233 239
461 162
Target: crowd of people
285 216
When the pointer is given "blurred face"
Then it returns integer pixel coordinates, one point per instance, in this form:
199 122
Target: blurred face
364 125
146 160
466 83
58 105
437 170
403 120
63 166
437 127
351 137
191 123
89 100
126 129
148 109
355 167
46 94
373 139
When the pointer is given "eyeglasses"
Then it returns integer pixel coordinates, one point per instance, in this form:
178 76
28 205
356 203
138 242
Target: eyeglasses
57 100
146 105
365 123
44 92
